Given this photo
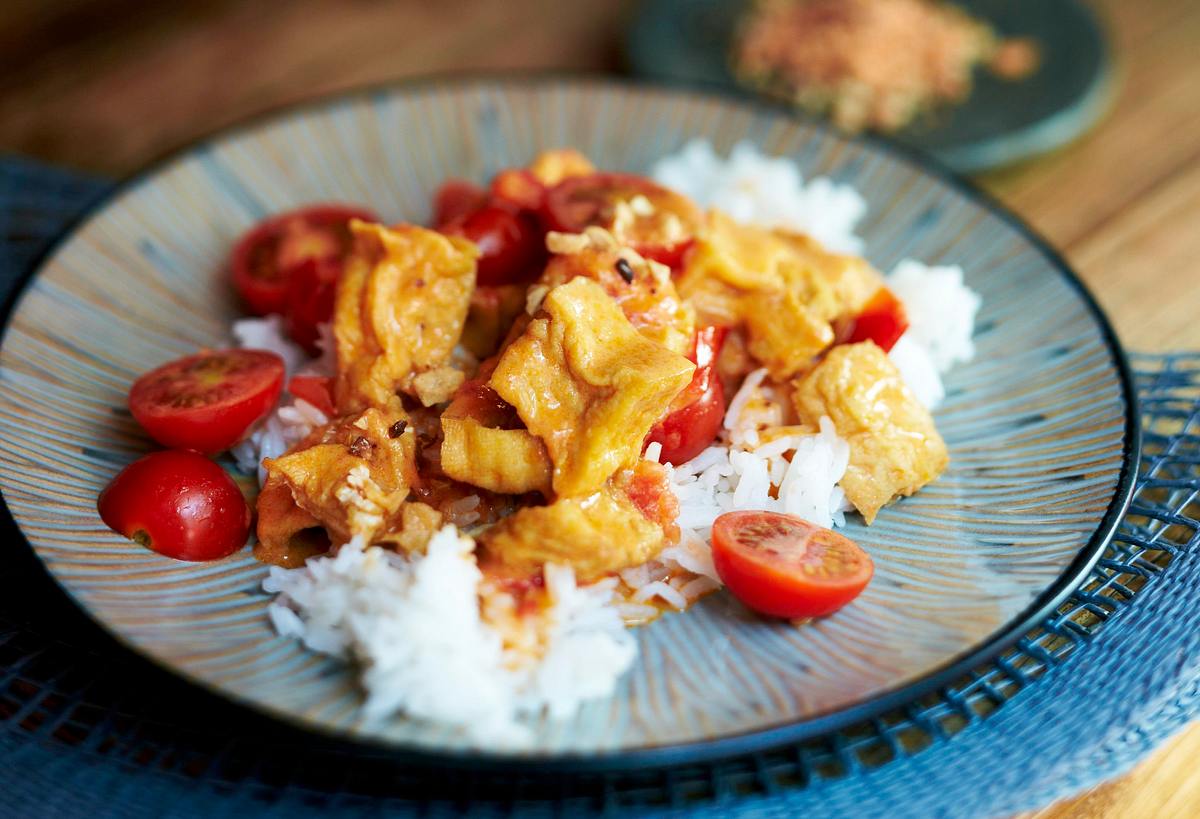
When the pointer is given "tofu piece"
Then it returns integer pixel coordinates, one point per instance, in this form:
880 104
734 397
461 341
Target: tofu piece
894 447
507 461
784 289
352 475
399 312
412 528
831 285
287 534
588 384
648 299
727 262
595 534
782 334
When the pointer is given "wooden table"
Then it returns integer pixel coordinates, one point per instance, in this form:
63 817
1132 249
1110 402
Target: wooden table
107 85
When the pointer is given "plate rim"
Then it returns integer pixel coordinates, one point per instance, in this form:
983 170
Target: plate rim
699 751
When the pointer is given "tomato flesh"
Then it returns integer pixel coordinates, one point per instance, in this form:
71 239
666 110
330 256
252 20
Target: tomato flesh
311 295
696 413
179 504
510 244
882 320
264 258
316 390
783 566
207 401
657 222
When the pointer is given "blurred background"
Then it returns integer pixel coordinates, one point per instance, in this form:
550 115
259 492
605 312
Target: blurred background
108 85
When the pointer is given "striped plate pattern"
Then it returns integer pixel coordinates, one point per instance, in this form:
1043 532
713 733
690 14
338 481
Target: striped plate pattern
1037 425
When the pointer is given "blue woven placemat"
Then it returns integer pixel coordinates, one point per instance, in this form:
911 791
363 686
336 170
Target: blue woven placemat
86 729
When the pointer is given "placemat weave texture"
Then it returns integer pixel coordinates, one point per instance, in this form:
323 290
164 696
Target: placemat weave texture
86 729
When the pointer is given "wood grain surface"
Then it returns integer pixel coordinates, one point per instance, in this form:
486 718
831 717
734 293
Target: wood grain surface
108 85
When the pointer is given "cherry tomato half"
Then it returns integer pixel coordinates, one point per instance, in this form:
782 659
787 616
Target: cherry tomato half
180 504
455 199
657 222
882 320
316 390
696 413
264 257
207 401
783 566
510 244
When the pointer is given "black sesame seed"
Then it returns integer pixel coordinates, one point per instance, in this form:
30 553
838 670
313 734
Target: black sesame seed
360 447
397 429
626 271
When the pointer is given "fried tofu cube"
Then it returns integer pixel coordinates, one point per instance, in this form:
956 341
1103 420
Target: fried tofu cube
595 534
399 311
831 285
287 534
647 297
412 528
783 334
507 461
728 261
588 384
352 475
894 447
731 259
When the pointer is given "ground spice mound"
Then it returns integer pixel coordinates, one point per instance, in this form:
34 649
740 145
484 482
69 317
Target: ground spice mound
866 63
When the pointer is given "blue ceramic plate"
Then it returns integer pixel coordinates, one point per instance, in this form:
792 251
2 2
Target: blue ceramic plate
1039 427
687 41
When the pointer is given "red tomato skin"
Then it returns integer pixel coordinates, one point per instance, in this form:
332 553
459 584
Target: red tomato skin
510 244
687 432
179 504
210 426
694 423
561 211
882 320
260 246
769 589
316 390
456 199
312 291
518 189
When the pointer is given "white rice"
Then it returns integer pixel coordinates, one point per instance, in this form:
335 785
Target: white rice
917 369
431 647
941 310
294 418
427 650
755 188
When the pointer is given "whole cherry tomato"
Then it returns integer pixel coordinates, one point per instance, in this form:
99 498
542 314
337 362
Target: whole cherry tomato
179 504
510 244
783 566
207 401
